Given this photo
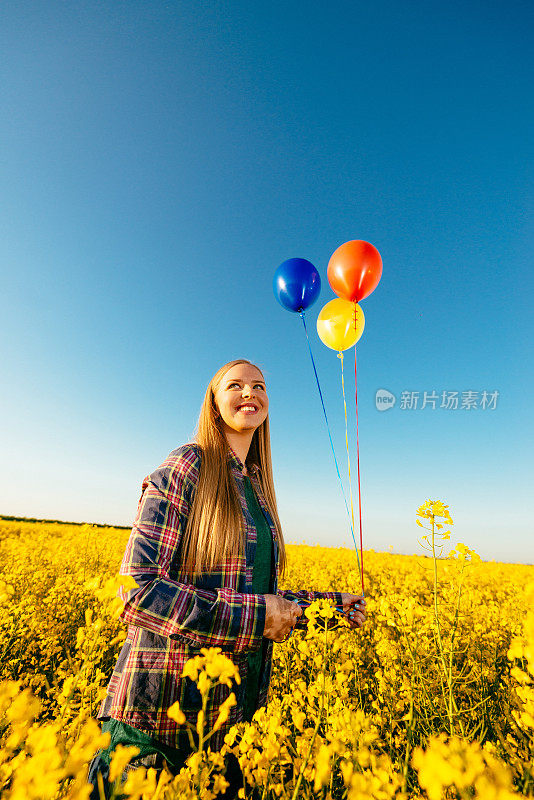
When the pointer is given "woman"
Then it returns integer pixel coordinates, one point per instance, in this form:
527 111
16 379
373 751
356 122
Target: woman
205 552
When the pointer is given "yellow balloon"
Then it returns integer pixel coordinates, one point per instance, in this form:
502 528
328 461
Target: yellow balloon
340 324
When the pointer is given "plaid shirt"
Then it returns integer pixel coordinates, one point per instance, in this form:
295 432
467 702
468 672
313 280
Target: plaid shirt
169 619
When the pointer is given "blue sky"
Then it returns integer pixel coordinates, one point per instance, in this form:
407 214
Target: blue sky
160 160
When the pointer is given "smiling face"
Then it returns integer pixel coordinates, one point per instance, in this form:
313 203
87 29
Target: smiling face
241 399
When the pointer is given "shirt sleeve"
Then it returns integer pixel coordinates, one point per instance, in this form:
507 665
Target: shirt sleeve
304 598
220 617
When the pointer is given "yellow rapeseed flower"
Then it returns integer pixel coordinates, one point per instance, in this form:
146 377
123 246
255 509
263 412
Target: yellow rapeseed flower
121 757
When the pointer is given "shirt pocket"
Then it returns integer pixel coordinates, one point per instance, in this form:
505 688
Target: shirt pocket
190 699
186 692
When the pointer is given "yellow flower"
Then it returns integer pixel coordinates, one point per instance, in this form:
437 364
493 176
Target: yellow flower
298 718
191 669
121 757
175 713
203 683
56 677
220 784
322 767
200 721
224 711
140 783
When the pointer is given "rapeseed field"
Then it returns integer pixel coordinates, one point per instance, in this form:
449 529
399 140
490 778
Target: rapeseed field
434 698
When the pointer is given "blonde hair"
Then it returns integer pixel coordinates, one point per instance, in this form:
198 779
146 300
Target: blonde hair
215 527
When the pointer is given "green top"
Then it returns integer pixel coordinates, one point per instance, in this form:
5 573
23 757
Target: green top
261 584
128 736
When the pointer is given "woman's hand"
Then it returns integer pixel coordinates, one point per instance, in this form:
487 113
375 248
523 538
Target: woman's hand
354 609
281 616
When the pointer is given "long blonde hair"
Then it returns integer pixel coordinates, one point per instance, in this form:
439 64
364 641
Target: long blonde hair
215 526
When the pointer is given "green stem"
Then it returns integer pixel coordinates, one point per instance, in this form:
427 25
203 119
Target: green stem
318 723
453 634
79 673
286 656
264 793
438 627
408 740
357 676
201 741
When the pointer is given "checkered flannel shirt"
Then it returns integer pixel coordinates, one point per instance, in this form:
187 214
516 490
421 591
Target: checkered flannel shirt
169 619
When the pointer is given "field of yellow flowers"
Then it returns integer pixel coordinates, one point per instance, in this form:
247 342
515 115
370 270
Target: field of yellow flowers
434 698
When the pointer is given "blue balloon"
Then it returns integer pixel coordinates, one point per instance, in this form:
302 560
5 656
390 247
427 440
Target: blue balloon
296 284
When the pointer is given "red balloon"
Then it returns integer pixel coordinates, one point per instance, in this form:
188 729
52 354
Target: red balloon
354 270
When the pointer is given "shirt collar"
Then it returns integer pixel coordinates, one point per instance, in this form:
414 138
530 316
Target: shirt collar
237 464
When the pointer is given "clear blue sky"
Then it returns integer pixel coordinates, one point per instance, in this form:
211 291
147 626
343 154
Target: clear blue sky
159 160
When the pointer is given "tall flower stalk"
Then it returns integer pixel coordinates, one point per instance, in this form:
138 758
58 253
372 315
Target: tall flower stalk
327 612
432 512
207 670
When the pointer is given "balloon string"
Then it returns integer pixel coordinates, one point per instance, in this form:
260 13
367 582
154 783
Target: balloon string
340 356
358 458
330 437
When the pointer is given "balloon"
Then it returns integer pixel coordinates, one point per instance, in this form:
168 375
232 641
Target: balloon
336 325
354 270
296 284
